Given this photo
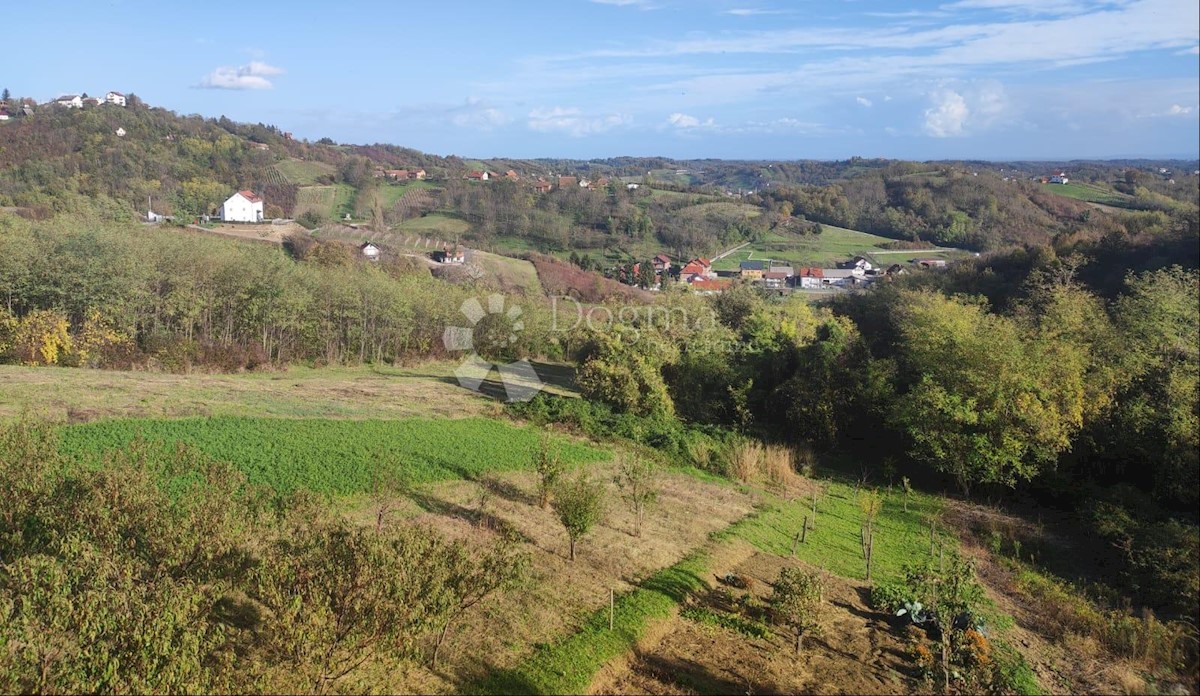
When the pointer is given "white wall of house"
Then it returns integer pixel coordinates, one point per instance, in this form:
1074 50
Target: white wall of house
114 98
240 209
809 282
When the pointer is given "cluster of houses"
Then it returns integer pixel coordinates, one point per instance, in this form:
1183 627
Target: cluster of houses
78 101
777 276
400 174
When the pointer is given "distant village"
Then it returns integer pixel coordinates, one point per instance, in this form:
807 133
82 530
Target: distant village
775 276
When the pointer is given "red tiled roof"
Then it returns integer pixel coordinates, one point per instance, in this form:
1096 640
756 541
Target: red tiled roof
694 268
706 284
775 275
250 196
810 273
663 258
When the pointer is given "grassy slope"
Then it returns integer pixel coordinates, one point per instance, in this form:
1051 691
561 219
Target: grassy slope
833 244
570 664
333 202
428 389
302 172
334 456
1092 193
390 193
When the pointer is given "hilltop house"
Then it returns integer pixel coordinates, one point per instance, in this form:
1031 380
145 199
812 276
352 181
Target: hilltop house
115 98
478 176
1059 178
455 255
243 206
370 251
71 101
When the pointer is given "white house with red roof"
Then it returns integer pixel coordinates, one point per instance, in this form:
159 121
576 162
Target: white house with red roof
243 206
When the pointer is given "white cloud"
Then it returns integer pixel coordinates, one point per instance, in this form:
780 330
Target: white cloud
948 116
1179 110
252 75
972 107
574 122
685 121
477 114
863 101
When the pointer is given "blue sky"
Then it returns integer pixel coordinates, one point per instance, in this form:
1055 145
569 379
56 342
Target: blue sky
992 79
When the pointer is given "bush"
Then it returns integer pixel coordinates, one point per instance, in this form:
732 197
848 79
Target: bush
889 597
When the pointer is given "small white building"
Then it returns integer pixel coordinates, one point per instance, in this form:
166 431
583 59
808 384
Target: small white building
243 206
115 98
1060 178
120 132
840 277
370 251
71 101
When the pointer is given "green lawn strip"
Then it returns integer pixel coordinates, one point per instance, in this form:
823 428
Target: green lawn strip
834 544
568 666
333 456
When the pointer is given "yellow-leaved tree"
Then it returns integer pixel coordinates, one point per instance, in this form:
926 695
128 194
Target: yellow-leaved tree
41 337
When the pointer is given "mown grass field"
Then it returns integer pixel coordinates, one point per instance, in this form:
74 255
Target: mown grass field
832 245
303 173
74 394
1092 193
331 456
436 225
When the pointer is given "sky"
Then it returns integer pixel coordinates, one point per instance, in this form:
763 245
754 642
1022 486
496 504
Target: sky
734 79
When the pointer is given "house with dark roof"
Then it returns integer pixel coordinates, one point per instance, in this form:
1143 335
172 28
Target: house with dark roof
753 270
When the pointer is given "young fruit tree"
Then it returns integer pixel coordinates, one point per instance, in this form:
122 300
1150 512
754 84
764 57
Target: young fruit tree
796 602
579 504
639 488
470 578
549 468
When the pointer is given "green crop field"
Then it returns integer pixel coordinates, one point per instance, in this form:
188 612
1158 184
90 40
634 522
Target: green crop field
1092 193
330 456
303 173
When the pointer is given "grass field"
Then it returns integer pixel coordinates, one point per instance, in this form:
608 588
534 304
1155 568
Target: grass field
334 456
436 225
332 202
1092 193
390 193
429 389
833 244
304 173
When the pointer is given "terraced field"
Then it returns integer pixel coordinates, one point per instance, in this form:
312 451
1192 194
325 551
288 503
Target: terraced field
332 202
302 172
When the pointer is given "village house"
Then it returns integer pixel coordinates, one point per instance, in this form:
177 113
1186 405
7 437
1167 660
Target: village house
243 206
511 175
71 101
478 176
752 270
930 263
710 286
542 186
662 264
4 113
396 174
700 267
1059 178
840 277
370 251
809 278
455 255
115 98
773 280
632 187
859 263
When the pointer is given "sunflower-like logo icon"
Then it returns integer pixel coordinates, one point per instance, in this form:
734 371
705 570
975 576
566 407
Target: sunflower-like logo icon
491 329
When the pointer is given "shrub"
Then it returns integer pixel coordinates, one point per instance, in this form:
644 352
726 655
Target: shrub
796 602
745 459
579 504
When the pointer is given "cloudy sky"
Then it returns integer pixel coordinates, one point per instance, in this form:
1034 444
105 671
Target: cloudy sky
782 79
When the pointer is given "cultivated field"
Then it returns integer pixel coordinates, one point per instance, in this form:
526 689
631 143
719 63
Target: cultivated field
304 173
331 202
436 225
1092 193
